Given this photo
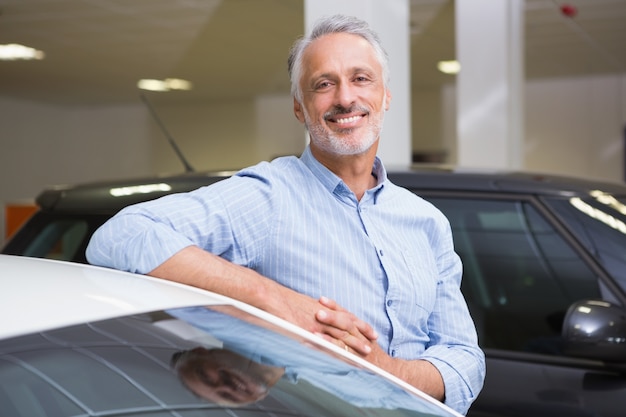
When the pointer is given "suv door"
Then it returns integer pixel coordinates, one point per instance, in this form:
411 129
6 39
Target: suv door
520 276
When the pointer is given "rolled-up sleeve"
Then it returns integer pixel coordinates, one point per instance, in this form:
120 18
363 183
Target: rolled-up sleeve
141 237
453 347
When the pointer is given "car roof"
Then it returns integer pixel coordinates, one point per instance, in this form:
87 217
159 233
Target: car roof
43 294
108 197
450 178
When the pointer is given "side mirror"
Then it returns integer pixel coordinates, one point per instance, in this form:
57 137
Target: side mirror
595 329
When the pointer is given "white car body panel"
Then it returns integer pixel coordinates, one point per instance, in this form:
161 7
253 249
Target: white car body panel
43 294
46 294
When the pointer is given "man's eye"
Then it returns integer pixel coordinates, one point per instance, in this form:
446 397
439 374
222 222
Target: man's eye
322 85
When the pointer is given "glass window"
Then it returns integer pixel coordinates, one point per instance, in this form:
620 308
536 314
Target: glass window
60 239
520 275
600 224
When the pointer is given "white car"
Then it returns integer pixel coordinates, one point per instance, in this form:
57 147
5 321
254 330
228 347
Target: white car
78 340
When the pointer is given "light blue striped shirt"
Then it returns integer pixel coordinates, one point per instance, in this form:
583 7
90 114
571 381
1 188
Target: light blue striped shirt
388 258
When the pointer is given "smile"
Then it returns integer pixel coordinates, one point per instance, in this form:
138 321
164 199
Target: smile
348 120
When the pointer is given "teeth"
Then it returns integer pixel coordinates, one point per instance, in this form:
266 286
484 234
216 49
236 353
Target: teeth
349 119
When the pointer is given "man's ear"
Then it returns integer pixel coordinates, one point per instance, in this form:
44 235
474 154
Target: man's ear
387 99
297 110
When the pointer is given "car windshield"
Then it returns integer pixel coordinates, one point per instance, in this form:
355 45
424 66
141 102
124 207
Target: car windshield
599 222
217 361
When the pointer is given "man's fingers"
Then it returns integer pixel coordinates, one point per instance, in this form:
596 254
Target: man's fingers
341 329
362 327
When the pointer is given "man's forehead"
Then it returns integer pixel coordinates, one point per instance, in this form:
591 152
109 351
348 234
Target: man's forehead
336 47
340 38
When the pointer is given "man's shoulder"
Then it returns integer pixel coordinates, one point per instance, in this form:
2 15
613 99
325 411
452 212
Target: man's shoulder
279 170
408 199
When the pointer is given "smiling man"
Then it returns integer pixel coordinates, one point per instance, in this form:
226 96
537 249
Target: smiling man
323 240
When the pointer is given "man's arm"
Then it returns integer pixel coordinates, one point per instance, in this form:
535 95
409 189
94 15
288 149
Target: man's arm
452 373
196 267
199 268
344 332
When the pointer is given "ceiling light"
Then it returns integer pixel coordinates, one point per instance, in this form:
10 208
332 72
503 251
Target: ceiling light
168 84
152 85
449 67
14 51
177 84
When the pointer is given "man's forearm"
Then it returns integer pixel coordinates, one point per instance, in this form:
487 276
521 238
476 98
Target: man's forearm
199 268
422 374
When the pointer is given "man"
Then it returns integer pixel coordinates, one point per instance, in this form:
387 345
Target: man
325 241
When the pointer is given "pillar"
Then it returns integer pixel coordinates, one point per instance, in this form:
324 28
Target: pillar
490 49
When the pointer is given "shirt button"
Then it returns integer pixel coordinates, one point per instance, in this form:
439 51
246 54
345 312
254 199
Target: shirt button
393 353
389 303
380 252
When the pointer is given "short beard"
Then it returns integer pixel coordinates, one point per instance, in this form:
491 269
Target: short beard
326 140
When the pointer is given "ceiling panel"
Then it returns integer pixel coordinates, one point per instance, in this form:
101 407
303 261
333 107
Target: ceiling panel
96 50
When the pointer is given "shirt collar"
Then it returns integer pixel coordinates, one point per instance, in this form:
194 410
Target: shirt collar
332 182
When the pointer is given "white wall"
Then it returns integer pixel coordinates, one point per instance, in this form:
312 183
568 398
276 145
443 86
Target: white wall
576 126
227 135
573 126
44 145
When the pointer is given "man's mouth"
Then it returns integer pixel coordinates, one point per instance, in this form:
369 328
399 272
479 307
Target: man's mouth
346 120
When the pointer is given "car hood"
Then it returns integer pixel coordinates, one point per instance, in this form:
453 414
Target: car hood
43 294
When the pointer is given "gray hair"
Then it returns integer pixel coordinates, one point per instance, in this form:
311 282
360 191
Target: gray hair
326 26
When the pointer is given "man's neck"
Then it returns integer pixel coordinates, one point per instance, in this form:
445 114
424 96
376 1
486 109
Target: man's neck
354 170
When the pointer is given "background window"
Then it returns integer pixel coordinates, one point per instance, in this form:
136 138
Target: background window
520 275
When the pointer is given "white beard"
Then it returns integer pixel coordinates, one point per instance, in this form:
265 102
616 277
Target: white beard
326 140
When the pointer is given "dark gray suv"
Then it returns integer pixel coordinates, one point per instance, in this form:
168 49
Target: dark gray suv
544 274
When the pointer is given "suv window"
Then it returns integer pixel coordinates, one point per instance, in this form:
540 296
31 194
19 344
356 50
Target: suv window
60 239
520 275
600 224
55 236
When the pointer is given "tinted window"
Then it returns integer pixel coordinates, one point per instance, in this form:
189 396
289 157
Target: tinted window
60 239
520 275
600 224
55 236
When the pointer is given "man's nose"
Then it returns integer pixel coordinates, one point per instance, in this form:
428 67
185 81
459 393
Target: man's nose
345 94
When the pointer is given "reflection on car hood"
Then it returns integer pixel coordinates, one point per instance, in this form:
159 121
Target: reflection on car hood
125 366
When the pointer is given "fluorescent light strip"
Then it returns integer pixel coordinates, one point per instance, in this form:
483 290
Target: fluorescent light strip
449 67
15 51
168 84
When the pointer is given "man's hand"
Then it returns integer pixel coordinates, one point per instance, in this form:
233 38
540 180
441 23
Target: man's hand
344 328
348 331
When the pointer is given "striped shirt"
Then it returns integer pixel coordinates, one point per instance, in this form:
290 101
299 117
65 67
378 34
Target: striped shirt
388 258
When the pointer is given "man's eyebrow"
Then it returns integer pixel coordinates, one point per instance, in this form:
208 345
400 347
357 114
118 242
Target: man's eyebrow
353 70
369 70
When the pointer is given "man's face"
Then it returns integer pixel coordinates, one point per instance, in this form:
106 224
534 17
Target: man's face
224 377
343 94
